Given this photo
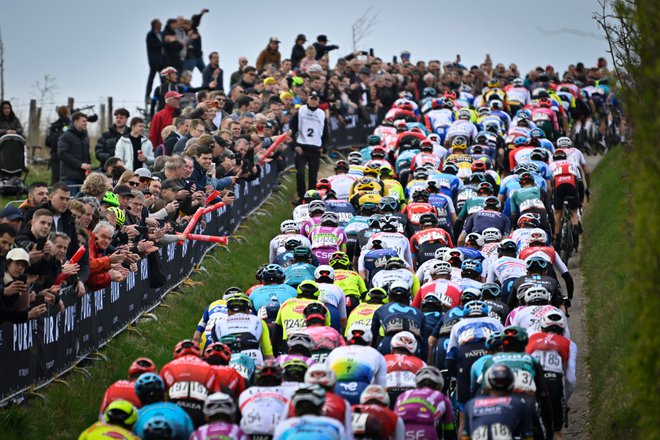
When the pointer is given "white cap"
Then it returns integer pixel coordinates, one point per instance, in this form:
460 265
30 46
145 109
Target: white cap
18 254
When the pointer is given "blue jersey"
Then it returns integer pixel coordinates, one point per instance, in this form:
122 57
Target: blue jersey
244 364
448 183
442 204
297 273
262 294
544 170
355 225
471 254
285 259
375 259
344 210
394 318
179 420
404 160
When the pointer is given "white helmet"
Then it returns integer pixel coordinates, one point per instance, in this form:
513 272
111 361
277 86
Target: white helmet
564 142
324 271
553 319
440 268
432 374
360 331
375 392
491 235
464 113
440 253
537 236
219 403
535 294
322 375
405 340
289 226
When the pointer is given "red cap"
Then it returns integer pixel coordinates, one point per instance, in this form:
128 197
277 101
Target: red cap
172 94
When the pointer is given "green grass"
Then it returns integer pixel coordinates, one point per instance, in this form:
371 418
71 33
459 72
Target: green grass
70 409
608 243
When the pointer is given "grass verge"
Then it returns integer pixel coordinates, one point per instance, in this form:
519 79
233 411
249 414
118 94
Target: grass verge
608 243
71 408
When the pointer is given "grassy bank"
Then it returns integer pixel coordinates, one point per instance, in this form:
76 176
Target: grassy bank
607 246
72 408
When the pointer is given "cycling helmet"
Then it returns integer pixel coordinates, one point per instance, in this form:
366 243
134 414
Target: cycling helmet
537 236
421 173
186 347
316 207
312 394
367 208
507 245
450 94
426 145
158 428
388 204
386 171
374 140
377 152
390 223
311 195
428 218
219 403
323 184
449 104
330 219
330 195
472 265
475 308
464 114
537 132
375 393
308 289
320 374
454 257
537 295
289 245
492 202
429 92
493 341
459 143
478 166
517 82
374 221
432 302
499 377
365 184
470 294
554 322
373 169
514 338
474 239
355 158
564 142
491 235
339 260
483 111
490 291
545 102
324 274
528 220
149 387
230 291
273 273
559 155
288 226
293 370
398 290
269 369
111 199
120 412
450 168
540 154
395 263
430 377
341 165
302 253
440 253
440 268
405 340
520 141
420 195
140 366
376 295
217 354
359 331
493 83
315 310
120 215
536 264
239 303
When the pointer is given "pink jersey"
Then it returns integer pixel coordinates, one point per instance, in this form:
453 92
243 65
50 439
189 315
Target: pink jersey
424 406
325 339
543 114
309 224
326 240
218 430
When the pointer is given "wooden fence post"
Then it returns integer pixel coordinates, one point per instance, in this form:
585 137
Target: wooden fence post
104 121
33 130
110 111
70 104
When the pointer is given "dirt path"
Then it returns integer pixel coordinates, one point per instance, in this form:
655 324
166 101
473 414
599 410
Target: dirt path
578 416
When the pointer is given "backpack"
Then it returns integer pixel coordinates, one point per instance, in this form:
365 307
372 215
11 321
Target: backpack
54 132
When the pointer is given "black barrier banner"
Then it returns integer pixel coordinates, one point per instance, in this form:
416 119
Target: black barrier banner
35 352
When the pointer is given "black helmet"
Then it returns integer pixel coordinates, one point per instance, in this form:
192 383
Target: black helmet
374 220
395 263
388 203
292 243
390 223
499 377
450 168
302 253
330 219
420 195
341 165
428 218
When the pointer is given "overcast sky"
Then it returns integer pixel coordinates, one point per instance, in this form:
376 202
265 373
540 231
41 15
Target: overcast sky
96 48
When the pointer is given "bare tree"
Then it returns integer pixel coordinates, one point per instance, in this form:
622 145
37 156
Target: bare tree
363 26
44 90
622 36
2 68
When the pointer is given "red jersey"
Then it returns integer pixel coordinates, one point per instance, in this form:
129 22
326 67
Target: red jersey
564 171
431 234
549 342
387 418
415 210
403 362
546 252
120 390
228 377
449 292
189 369
422 159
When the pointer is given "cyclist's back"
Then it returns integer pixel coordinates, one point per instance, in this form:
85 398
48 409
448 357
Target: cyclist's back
310 427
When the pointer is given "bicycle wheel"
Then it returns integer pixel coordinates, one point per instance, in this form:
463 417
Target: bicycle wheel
566 247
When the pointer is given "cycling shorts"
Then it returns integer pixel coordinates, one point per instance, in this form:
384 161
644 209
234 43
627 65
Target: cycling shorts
567 192
193 408
467 355
555 384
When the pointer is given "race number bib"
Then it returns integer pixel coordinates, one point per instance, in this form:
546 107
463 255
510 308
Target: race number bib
498 431
529 204
188 390
359 423
524 381
550 361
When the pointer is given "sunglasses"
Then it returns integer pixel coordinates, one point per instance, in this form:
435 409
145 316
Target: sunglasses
133 183
145 179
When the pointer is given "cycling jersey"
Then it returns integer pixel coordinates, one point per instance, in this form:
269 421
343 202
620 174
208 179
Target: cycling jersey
393 240
471 206
548 253
101 431
344 210
219 430
309 224
461 128
120 390
276 246
262 408
251 331
350 282
362 314
387 277
373 261
327 240
422 409
525 199
300 214
423 158
548 282
228 380
486 218
356 367
401 370
333 298
413 185
489 417
520 155
325 340
189 380
526 370
556 354
178 419
518 95
414 211
298 272
393 318
521 235
529 318
341 184
448 291
444 208
376 422
215 311
574 155
290 316
310 426
424 243
262 295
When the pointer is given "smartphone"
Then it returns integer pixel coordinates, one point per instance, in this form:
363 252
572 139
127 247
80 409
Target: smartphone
41 242
188 185
371 52
142 229
394 59
231 194
22 278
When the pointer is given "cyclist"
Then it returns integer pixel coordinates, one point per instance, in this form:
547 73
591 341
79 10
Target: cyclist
374 259
392 239
251 331
537 305
491 294
308 422
402 364
389 205
289 229
489 217
396 271
373 418
395 316
273 277
440 284
507 268
156 414
316 210
418 181
471 270
575 155
227 379
301 212
558 357
335 407
391 186
363 313
357 364
332 296
537 268
498 413
428 239
325 339
442 202
215 311
302 268
117 422
568 188
327 237
342 181
266 403
357 224
189 379
425 410
349 281
344 210
125 389
290 316
427 156
220 414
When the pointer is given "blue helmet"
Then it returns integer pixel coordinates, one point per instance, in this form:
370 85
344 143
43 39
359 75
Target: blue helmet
537 133
158 428
475 308
149 386
473 265
520 140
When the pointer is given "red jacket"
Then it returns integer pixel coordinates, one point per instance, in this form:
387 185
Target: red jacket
161 120
98 267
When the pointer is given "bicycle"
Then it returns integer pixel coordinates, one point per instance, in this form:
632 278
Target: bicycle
566 244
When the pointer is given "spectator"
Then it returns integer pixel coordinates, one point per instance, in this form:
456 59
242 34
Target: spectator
154 53
35 241
111 164
95 185
54 132
169 84
194 43
12 216
102 258
163 118
212 75
9 123
134 149
236 76
37 195
145 178
248 78
105 145
181 126
174 169
196 130
172 45
73 151
308 60
322 46
298 50
270 55
202 167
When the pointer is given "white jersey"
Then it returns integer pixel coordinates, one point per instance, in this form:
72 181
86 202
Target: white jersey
277 244
334 296
386 278
239 324
520 236
310 426
393 240
466 283
423 271
341 184
505 268
440 118
311 124
263 408
529 318
462 128
301 214
358 363
518 94
575 156
463 332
